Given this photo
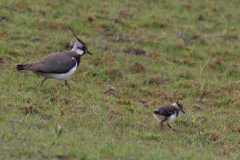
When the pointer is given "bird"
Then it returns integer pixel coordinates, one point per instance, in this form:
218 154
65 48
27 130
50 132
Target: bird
167 113
58 66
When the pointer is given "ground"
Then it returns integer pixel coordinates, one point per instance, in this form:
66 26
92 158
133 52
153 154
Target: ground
151 52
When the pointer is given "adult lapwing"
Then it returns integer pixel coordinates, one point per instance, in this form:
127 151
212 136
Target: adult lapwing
167 113
58 66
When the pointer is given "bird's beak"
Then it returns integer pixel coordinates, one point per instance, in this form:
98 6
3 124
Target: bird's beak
183 111
89 52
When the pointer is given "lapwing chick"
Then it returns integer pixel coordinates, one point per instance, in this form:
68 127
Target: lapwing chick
58 66
110 89
167 113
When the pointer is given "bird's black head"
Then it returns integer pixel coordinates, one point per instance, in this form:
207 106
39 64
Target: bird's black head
180 106
80 47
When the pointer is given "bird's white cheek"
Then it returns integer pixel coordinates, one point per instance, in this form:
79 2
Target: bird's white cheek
80 52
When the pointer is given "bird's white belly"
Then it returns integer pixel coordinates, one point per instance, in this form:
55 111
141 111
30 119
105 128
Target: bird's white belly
172 117
62 76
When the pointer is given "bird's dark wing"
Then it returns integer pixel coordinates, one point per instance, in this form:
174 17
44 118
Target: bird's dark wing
54 63
166 110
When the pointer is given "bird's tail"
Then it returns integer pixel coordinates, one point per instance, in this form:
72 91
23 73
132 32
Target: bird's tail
19 68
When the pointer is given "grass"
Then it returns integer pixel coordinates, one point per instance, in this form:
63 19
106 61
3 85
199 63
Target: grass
152 52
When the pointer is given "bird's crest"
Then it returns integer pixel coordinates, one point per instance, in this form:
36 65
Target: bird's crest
80 47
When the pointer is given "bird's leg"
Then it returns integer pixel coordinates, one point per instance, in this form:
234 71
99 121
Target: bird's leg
160 124
43 80
67 84
173 128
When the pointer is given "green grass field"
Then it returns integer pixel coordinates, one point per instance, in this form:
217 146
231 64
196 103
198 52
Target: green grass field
153 52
